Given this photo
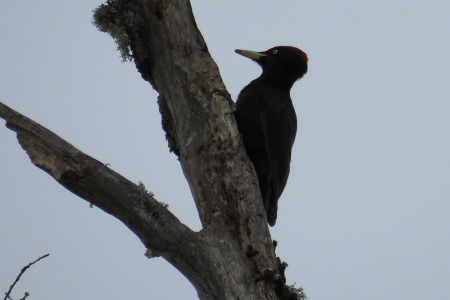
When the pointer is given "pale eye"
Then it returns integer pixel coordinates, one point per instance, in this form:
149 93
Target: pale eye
275 51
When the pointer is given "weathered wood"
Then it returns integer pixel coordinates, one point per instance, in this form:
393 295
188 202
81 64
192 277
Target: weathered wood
170 52
229 258
204 258
93 181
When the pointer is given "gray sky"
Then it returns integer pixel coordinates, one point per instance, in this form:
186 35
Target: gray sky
366 212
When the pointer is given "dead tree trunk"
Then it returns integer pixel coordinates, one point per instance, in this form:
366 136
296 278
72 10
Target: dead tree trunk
233 256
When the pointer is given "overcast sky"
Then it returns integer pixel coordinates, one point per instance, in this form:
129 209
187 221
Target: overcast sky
366 211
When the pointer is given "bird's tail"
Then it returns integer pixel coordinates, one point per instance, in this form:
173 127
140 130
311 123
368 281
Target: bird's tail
272 212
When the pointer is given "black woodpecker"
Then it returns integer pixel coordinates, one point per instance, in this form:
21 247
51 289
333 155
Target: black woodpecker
266 119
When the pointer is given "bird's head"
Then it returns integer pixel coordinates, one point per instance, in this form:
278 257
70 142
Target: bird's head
282 65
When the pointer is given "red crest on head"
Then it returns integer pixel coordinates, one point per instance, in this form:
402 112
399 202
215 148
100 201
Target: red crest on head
302 54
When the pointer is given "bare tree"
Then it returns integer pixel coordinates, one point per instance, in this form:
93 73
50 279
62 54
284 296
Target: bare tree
233 256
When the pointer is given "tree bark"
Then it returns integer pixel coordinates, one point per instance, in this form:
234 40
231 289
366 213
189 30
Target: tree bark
233 256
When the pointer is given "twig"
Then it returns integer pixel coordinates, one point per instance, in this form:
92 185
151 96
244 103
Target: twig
25 296
20 274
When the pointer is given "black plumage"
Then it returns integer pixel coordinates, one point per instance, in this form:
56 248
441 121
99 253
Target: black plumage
266 119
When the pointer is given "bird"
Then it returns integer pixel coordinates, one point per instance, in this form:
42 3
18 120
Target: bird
266 119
